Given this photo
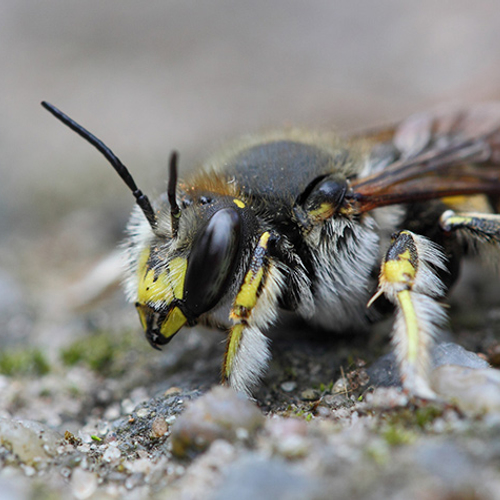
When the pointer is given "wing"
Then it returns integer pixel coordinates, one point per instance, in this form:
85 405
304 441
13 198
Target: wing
432 155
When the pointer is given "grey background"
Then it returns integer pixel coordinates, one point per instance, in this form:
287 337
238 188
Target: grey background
148 77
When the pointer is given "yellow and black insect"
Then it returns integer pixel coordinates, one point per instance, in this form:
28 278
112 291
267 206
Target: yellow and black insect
300 221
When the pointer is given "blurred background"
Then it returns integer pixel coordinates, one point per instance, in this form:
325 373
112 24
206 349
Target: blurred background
148 77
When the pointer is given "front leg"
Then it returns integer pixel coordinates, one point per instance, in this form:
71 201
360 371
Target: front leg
408 279
255 307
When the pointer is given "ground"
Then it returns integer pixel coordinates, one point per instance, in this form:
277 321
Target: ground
105 416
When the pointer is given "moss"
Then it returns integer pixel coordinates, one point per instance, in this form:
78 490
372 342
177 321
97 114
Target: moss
102 352
426 415
396 435
23 362
326 388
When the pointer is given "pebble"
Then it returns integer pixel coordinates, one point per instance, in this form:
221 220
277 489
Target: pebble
30 441
474 391
449 353
385 372
172 391
83 483
309 395
387 398
159 427
336 400
111 454
218 414
289 386
142 412
253 477
340 386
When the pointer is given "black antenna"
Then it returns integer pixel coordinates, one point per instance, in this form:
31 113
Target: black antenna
141 199
175 211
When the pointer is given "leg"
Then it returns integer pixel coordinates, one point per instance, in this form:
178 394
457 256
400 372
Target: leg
255 307
477 226
408 279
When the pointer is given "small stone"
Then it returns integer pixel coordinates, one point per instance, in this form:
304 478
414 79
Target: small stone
218 414
111 454
30 441
336 401
127 406
449 353
258 478
474 391
84 448
280 428
340 386
112 412
309 395
29 471
142 412
289 386
159 427
172 391
83 483
387 398
323 412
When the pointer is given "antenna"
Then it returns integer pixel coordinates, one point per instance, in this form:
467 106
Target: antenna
175 211
141 199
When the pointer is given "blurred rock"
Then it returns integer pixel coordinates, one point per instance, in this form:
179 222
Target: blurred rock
31 441
219 414
385 373
449 353
474 391
254 477
83 483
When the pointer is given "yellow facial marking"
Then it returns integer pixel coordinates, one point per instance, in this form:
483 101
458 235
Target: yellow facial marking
238 203
177 268
165 286
232 348
174 322
143 312
411 321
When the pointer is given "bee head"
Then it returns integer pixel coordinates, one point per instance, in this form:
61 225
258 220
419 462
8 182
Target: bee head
184 274
182 260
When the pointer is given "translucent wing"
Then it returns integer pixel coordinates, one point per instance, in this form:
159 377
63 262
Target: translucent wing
432 155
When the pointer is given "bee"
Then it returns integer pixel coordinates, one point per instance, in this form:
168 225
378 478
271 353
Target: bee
326 227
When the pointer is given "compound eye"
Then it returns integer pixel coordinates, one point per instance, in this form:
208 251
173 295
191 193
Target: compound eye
212 261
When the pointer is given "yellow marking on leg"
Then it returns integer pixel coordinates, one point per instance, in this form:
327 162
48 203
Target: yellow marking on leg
232 349
245 301
247 295
238 203
399 270
411 321
458 220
